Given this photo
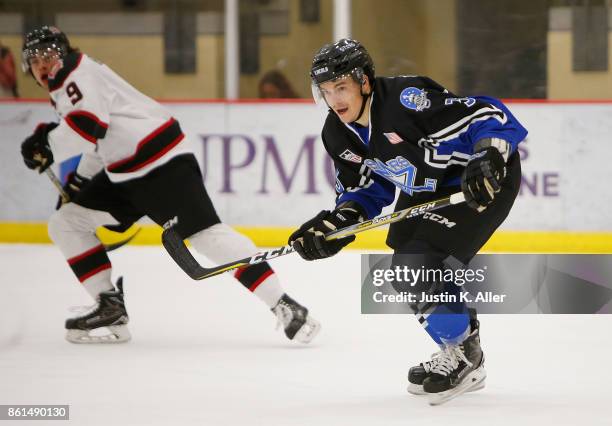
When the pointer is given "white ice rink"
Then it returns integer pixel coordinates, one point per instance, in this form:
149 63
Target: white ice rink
206 353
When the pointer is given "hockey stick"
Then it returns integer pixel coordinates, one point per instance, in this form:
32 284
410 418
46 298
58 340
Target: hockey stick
58 185
66 198
177 249
115 246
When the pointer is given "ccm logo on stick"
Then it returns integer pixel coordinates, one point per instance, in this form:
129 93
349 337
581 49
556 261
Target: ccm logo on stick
439 219
271 254
421 209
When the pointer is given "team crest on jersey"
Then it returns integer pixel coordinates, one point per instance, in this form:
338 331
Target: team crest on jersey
415 99
393 137
402 173
351 156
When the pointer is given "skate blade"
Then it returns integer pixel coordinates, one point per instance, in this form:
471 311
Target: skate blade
115 334
308 331
472 382
415 389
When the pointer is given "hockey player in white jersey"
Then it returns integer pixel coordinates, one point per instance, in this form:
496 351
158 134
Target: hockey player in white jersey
135 163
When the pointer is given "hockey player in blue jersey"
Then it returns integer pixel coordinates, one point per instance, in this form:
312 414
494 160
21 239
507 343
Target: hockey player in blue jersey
408 132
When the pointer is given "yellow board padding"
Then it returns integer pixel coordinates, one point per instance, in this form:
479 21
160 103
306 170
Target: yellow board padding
501 242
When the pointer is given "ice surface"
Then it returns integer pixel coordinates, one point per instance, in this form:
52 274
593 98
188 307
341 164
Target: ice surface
207 353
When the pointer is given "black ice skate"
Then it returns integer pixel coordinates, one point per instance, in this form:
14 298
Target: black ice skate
458 369
418 373
107 315
296 321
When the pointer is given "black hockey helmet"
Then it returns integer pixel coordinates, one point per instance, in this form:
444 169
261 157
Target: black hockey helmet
46 40
342 59
338 59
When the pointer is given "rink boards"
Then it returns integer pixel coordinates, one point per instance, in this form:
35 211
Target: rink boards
266 170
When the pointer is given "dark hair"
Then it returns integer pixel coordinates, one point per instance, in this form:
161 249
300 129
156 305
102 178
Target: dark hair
277 79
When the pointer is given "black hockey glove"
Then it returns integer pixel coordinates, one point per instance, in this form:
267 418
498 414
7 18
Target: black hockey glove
309 239
35 149
73 186
482 178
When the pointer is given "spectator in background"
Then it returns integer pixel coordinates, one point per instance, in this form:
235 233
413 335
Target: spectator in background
274 85
8 80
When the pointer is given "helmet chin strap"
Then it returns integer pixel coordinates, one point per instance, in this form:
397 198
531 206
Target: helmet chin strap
364 101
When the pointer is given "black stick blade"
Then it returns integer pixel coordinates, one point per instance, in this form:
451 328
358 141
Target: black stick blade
175 246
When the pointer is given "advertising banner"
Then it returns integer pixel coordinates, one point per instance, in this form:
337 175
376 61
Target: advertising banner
264 163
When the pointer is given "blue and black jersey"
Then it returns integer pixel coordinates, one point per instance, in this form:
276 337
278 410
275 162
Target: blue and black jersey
419 139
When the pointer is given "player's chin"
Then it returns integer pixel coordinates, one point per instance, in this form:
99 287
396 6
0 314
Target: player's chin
44 81
345 115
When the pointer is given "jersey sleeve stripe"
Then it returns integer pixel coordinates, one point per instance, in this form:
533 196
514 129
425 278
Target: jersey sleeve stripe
154 146
463 124
87 125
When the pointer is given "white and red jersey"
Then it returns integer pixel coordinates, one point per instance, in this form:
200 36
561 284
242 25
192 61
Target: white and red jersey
101 112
